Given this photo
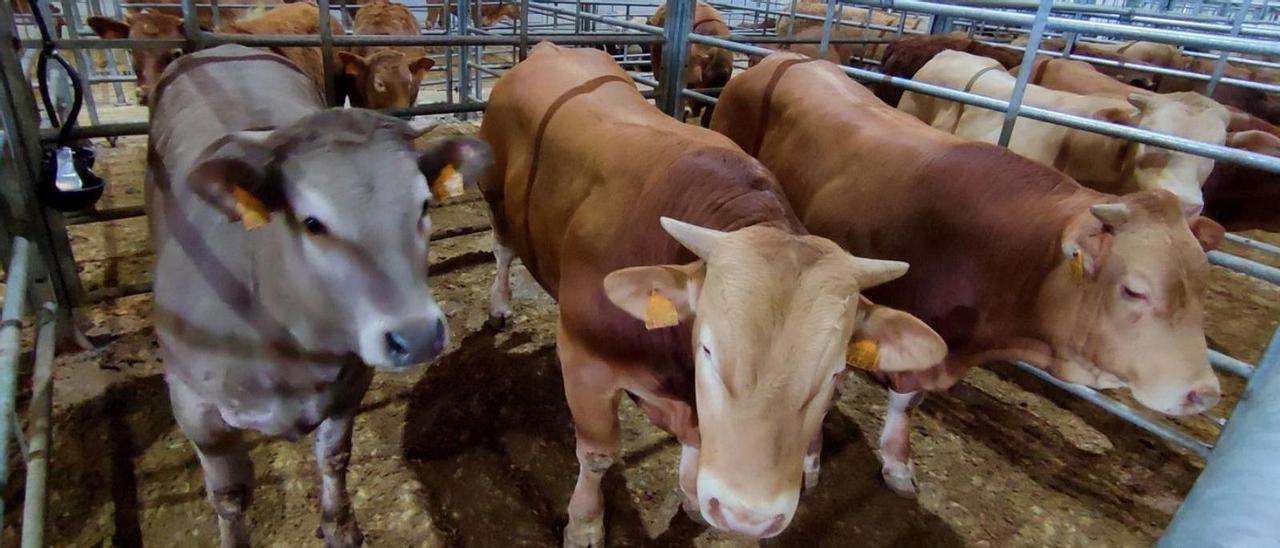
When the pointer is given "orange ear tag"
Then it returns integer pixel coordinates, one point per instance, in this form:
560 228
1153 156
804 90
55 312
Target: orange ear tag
253 213
1077 265
864 354
448 183
660 312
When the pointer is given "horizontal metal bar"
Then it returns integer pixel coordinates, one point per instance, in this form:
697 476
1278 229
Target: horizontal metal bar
1122 411
283 40
1132 14
1225 363
1216 152
1201 40
1260 246
1245 266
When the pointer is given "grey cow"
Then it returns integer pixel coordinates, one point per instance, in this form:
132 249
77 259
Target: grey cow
291 247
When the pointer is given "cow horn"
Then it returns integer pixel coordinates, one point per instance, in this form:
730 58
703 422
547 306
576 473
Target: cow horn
701 241
873 272
1112 214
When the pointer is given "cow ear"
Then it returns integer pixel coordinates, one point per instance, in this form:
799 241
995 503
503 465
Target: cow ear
1087 239
890 340
452 165
419 67
1255 140
236 182
109 28
1208 232
1239 120
660 296
353 65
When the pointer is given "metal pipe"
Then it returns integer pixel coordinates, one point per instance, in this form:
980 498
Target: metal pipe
677 27
1245 266
39 412
1260 246
326 54
15 299
191 26
826 28
1195 39
1220 66
1024 73
1121 410
1226 154
524 30
464 72
1227 364
1236 500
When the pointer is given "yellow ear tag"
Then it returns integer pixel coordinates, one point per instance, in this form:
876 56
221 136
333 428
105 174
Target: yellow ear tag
864 354
1077 265
448 183
253 213
660 312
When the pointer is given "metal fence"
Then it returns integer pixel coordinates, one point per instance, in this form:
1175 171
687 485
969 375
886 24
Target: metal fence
474 55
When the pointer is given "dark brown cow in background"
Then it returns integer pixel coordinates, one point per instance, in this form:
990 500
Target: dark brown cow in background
904 57
707 66
385 77
1240 197
1256 102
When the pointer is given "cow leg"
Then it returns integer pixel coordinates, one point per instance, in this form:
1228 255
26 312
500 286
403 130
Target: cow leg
500 293
228 472
593 402
895 443
707 111
689 484
338 525
813 462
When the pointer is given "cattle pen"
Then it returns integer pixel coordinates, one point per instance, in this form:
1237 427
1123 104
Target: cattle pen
1234 502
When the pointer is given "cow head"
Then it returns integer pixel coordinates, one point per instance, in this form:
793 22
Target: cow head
772 317
339 201
1184 114
386 79
1125 306
491 15
148 63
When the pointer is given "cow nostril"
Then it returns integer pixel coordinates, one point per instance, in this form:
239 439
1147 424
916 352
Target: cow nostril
775 526
1202 398
397 346
442 334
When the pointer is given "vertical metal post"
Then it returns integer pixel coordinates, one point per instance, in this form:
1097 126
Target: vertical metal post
1236 500
675 53
448 52
213 14
109 55
1220 66
42 225
577 17
326 51
524 29
1024 71
40 410
464 65
72 14
10 338
1069 43
826 29
791 20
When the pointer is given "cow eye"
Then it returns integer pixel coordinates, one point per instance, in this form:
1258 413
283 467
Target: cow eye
706 351
1132 295
314 226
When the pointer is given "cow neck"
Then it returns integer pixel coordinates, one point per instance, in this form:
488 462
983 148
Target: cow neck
1126 158
191 63
968 88
1038 69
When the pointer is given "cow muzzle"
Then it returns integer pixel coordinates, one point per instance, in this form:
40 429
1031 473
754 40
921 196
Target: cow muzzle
730 512
415 342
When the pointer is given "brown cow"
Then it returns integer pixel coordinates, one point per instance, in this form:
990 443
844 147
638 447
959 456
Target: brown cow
904 57
1010 260
301 19
383 77
1135 77
750 316
1240 197
163 24
1256 102
836 52
483 14
706 66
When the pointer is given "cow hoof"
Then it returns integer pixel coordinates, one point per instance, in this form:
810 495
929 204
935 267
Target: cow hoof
811 478
498 321
346 535
900 477
585 534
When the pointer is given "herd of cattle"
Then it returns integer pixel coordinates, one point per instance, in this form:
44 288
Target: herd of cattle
726 279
